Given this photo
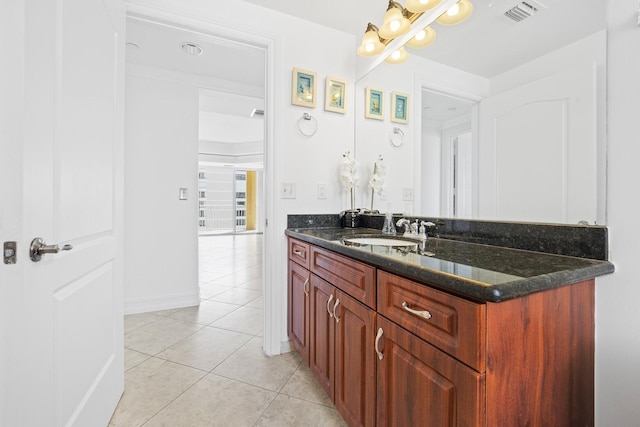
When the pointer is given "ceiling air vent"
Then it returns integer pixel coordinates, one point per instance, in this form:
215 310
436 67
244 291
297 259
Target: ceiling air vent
520 12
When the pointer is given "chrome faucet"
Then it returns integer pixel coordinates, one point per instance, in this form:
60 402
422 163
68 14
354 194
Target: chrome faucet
407 225
422 233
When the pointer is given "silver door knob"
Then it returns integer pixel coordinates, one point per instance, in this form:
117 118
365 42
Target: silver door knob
38 248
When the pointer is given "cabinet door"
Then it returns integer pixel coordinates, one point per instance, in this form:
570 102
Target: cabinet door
321 351
419 385
355 377
298 321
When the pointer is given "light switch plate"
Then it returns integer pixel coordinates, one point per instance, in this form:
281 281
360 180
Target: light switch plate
407 194
322 191
288 190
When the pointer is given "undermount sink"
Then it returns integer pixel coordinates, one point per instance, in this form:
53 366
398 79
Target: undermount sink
378 241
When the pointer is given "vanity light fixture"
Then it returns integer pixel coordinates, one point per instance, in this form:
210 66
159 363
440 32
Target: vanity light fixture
395 22
423 38
456 13
397 57
398 20
371 44
419 6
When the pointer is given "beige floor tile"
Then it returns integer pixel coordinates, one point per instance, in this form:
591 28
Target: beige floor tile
205 349
247 320
155 337
136 321
237 296
289 411
215 401
256 303
207 312
256 284
133 358
149 387
208 290
303 385
250 365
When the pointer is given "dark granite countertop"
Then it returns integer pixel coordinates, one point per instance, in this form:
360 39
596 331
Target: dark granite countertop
475 271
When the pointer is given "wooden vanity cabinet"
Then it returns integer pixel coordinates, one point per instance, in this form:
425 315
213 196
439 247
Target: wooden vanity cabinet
298 287
419 385
341 339
299 284
524 361
337 339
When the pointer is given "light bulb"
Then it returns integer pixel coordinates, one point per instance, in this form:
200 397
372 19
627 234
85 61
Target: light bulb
420 35
394 25
453 10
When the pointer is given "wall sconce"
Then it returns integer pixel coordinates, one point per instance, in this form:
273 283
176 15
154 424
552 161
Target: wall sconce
371 44
423 38
397 57
456 13
419 6
395 22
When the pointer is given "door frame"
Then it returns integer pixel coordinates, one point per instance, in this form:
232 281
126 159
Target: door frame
272 304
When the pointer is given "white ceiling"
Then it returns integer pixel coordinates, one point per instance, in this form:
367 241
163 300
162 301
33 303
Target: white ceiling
486 44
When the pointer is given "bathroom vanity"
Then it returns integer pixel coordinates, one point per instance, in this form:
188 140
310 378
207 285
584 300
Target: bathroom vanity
444 332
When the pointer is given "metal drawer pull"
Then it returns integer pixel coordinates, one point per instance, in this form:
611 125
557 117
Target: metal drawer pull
334 310
422 313
378 336
328 304
297 252
305 287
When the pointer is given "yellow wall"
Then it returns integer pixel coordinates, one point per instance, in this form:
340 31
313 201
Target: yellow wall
251 200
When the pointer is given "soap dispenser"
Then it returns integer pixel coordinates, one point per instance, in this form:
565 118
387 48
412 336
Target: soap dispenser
389 227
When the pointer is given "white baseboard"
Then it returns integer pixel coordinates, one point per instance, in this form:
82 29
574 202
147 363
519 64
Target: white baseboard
286 347
163 303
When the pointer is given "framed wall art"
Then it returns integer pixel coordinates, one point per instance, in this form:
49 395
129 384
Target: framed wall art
303 88
374 108
399 107
335 98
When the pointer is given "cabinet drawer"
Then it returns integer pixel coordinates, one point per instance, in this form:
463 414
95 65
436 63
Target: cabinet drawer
352 277
452 324
299 252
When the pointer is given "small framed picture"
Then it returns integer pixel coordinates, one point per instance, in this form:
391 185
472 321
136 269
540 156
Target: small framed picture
399 107
374 108
303 88
335 98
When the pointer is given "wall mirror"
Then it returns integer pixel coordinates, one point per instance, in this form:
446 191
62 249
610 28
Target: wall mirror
506 120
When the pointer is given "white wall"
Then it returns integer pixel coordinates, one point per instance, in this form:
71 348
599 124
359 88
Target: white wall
617 295
161 156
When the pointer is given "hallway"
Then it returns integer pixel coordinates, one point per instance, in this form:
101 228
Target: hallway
204 366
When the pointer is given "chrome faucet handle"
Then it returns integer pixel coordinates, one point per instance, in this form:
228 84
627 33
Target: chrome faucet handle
406 223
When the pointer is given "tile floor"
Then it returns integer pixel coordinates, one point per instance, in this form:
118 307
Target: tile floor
204 366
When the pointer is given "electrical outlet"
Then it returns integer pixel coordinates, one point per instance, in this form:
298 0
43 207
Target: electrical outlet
288 190
322 191
407 194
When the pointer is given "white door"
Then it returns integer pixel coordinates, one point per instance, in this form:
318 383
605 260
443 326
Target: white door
538 150
62 170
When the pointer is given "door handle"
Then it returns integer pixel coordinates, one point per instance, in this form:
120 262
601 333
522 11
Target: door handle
39 247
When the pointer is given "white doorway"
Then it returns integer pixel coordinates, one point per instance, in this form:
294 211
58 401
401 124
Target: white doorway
230 40
447 165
